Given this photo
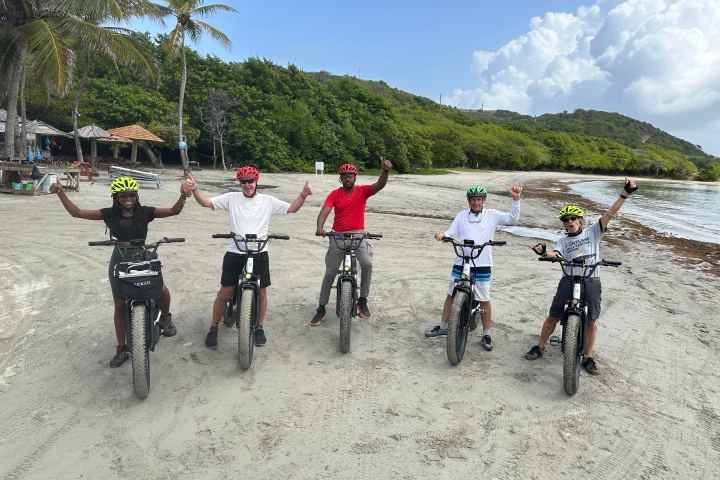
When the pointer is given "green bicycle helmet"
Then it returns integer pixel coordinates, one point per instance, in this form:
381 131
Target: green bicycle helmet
476 191
570 210
124 184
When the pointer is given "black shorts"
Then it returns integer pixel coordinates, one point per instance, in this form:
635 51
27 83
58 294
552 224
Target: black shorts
233 264
592 292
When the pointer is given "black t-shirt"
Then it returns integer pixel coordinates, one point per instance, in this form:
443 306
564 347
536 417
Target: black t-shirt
126 230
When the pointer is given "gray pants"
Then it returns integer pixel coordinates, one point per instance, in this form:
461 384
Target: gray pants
333 259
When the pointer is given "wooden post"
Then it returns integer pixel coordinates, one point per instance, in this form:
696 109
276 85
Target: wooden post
133 155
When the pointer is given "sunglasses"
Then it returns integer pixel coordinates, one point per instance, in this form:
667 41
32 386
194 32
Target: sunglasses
124 196
247 181
569 219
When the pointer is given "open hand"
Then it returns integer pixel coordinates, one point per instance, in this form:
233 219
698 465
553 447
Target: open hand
515 191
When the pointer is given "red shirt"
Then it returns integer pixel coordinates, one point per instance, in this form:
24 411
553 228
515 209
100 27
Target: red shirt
349 208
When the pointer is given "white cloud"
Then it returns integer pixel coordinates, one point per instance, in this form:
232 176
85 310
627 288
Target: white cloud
655 60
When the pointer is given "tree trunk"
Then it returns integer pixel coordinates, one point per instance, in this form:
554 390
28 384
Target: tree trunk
214 154
12 96
116 151
23 115
153 159
222 152
93 154
183 82
78 145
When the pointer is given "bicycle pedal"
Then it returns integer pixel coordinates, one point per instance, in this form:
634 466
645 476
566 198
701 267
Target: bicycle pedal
555 340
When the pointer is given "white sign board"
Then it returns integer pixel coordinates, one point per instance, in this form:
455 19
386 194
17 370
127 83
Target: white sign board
319 167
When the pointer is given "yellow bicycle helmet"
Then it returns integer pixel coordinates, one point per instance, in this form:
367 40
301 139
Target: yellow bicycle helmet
124 184
570 210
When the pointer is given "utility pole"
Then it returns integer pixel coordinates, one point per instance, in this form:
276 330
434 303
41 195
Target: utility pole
441 99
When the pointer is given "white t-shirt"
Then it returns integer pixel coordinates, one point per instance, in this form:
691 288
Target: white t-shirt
480 228
249 215
586 243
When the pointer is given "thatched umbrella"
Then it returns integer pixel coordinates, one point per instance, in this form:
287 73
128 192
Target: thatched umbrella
136 133
92 133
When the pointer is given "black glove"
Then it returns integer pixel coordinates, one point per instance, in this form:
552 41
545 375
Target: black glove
540 249
628 188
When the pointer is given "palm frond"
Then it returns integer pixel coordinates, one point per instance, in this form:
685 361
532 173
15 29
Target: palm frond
210 9
215 33
175 40
50 54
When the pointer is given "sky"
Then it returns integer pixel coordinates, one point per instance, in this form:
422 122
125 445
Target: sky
653 60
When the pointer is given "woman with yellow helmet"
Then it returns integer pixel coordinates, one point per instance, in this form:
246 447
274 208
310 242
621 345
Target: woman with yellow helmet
127 220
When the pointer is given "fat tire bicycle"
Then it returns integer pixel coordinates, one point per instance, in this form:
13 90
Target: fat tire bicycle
573 320
465 310
242 308
140 285
347 285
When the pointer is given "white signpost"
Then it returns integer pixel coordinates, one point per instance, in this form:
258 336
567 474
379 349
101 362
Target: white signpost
320 167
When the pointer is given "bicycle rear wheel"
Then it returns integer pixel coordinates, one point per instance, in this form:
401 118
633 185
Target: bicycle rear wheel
457 328
246 311
572 354
345 310
140 353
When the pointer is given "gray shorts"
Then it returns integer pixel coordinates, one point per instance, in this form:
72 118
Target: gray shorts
592 291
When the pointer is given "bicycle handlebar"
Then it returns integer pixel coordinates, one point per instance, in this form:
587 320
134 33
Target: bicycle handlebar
578 262
135 243
344 235
236 235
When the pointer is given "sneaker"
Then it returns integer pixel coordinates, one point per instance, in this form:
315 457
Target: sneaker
319 316
362 309
211 339
167 327
121 354
589 365
486 343
260 339
534 353
436 332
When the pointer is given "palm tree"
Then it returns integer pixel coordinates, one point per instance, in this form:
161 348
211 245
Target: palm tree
186 13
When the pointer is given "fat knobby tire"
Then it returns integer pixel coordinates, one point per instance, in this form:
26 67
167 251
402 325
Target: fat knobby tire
571 356
457 330
245 312
140 353
345 315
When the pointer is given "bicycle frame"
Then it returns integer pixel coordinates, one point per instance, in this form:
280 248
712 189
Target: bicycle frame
349 242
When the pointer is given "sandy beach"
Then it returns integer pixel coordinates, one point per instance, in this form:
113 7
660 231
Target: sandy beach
393 407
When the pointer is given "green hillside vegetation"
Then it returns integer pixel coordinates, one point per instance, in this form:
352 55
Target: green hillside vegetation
284 119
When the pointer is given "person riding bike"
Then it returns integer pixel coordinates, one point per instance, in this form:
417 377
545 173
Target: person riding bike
476 223
127 220
249 213
349 203
577 242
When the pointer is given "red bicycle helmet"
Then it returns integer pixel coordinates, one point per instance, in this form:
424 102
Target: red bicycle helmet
247 173
348 168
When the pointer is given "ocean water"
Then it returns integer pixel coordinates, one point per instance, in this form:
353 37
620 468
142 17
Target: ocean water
682 210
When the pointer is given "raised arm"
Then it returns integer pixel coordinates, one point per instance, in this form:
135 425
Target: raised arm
382 180
71 208
509 218
300 200
322 216
628 189
201 197
177 208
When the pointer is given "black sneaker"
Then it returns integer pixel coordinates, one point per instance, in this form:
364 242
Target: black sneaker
362 309
121 354
319 316
486 343
534 353
589 365
260 339
167 327
436 332
211 339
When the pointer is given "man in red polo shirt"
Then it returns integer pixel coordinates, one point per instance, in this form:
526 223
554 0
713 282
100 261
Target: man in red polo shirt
349 204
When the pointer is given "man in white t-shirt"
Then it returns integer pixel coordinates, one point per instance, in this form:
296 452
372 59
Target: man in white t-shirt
578 242
478 224
249 212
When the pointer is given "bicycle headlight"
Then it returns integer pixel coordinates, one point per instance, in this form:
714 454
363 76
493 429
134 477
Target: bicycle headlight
247 276
346 268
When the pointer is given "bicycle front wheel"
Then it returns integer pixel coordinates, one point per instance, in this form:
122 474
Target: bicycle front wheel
246 312
345 309
572 354
457 328
140 354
